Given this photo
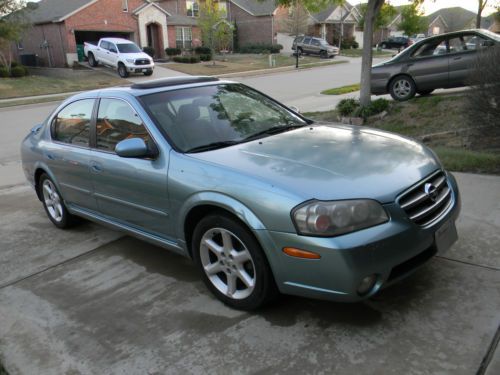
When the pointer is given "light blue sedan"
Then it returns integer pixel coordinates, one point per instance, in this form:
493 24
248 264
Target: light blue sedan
261 198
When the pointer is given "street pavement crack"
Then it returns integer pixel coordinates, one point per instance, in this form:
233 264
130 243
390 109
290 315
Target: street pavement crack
469 263
489 354
67 261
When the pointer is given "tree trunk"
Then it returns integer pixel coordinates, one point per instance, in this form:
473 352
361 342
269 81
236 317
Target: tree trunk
372 9
478 16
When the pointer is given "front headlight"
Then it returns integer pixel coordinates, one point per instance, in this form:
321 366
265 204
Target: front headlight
130 61
328 219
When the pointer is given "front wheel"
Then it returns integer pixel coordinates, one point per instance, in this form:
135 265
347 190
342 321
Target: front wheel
232 263
323 54
148 73
122 71
54 205
383 46
402 88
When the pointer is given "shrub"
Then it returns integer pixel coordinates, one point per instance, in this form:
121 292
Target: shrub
260 48
203 51
13 64
149 50
18 71
346 107
172 51
482 102
379 105
187 59
348 43
205 57
4 72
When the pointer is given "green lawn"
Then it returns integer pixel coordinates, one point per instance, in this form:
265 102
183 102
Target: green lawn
236 63
40 85
342 90
359 52
438 121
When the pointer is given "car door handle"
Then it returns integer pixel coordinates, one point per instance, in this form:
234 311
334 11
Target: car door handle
95 167
457 58
408 65
51 157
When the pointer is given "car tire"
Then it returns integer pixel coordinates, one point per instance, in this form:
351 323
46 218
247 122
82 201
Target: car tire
402 88
53 203
383 45
424 92
122 70
148 73
92 61
232 263
323 54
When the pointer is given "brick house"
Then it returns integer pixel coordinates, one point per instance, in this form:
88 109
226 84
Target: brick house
59 26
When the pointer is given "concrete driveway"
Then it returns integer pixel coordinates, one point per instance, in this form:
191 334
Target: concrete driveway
91 301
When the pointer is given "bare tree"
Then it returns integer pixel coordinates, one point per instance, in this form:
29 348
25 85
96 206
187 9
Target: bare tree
481 4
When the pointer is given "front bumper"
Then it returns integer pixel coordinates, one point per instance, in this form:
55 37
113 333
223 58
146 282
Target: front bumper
391 251
140 68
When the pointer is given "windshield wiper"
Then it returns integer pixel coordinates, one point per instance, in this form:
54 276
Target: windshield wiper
212 146
274 130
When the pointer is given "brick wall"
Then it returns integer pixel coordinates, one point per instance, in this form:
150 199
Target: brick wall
251 29
33 39
103 15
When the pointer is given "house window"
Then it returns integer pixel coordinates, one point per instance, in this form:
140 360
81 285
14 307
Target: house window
125 5
183 37
436 30
192 8
20 45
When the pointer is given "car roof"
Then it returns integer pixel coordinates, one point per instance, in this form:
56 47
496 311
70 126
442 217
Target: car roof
153 86
118 40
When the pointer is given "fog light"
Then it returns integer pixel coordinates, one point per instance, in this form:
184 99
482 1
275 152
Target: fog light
367 284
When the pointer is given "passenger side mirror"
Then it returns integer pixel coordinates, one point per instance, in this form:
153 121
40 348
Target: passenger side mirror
113 50
488 43
133 148
294 108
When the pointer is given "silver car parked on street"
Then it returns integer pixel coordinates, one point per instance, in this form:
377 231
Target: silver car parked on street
442 61
261 198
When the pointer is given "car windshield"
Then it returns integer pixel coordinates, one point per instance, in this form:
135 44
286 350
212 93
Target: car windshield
210 117
128 48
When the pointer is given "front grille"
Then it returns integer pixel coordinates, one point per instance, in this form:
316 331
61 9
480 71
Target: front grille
142 62
427 201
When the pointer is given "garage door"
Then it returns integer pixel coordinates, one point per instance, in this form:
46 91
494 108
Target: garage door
94 36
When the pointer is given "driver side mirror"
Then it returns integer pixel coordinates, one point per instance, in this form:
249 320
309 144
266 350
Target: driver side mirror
134 148
113 50
294 108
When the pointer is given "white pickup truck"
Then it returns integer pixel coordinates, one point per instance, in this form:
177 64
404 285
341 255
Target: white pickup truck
121 54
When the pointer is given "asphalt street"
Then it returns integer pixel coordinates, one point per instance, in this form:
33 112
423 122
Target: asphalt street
92 301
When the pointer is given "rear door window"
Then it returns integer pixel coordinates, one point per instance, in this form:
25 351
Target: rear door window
431 48
72 124
116 121
307 40
315 42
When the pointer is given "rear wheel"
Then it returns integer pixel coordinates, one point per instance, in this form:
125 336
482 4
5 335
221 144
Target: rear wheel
53 204
92 60
424 92
122 70
232 263
402 88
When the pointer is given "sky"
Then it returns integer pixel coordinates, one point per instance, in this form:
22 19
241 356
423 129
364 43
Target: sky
430 6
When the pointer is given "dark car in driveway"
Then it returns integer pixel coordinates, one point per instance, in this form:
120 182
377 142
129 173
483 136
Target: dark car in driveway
398 42
443 61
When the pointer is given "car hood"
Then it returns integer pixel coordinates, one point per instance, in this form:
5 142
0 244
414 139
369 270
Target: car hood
136 55
327 161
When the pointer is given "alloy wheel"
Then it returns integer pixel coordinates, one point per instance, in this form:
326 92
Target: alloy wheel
52 201
402 88
227 263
